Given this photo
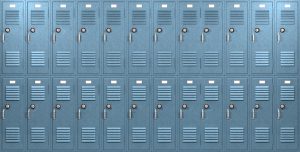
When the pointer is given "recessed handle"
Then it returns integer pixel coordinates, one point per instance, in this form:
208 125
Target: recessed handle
3 37
104 114
278 37
130 113
180 114
253 113
202 37
202 114
278 113
228 37
253 37
104 37
227 113
180 37
3 113
155 114
54 113
28 37
155 38
79 37
130 37
54 37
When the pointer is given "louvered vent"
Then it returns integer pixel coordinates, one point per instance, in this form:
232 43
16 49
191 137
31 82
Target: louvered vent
12 93
164 58
211 135
287 17
138 58
113 134
88 58
189 17
287 58
113 58
189 135
262 58
63 93
236 135
63 135
88 135
113 93
37 58
262 17
63 17
139 17
287 135
164 134
237 58
37 135
262 93
164 93
211 59
12 135
211 17
164 17
139 93
37 17
237 93
237 17
262 135
38 93
88 17
139 135
88 93
113 17
12 17
189 58
211 93
189 93
63 58
287 93
12 58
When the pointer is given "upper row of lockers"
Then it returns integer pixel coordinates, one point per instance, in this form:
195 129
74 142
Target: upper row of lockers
160 37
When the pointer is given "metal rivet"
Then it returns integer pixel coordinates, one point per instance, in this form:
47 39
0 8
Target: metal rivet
133 30
108 106
83 30
7 30
206 30
256 30
184 106
58 30
282 106
159 106
206 106
282 30
134 106
32 106
83 106
108 30
256 106
184 30
7 106
159 30
32 30
231 106
58 106
231 30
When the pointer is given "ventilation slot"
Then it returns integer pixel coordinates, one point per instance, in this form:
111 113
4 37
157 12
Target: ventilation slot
189 135
287 17
12 135
237 58
164 17
12 17
287 93
139 135
37 58
287 58
113 93
237 17
63 93
12 93
211 17
113 135
63 135
287 135
37 135
211 59
63 58
63 18
262 93
262 135
211 135
88 93
88 58
262 58
38 93
164 93
138 93
88 135
189 93
113 58
164 58
236 93
236 135
189 58
139 58
113 17
211 93
12 58
262 17
37 17
88 17
139 17
189 17
164 134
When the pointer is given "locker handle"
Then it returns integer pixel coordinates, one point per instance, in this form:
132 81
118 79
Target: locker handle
54 114
79 114
278 113
28 37
3 114
253 37
104 37
202 38
155 114
3 37
253 113
155 37
180 37
130 37
130 114
54 37
28 113
278 37
228 114
79 37
181 114
202 114
228 37
104 114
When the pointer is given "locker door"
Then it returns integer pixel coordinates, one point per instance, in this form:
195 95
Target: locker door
188 37
38 110
287 119
13 108
261 37
189 114
212 38
164 37
139 37
164 114
13 37
63 114
235 107
139 113
287 38
88 37
38 38
261 115
236 37
63 37
114 114
88 114
114 37
211 113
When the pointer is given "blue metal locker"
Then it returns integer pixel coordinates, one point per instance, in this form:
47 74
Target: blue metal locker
235 107
139 114
63 37
211 113
88 37
64 113
212 37
88 114
164 39
114 37
164 125
188 37
13 44
189 114
139 37
114 114
261 37
14 126
39 129
38 38
261 114
286 46
286 113
236 37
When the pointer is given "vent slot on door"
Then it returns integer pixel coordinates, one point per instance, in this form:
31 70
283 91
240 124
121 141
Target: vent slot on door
189 93
113 17
12 17
236 93
189 17
262 17
113 93
88 17
237 17
37 17
287 93
287 17
38 93
211 17
164 17
63 17
88 93
139 17
138 93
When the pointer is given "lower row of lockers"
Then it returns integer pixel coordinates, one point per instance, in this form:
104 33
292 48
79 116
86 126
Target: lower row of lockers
149 114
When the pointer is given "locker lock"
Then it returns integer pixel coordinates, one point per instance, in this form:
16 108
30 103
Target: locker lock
256 106
184 30
32 30
133 106
83 106
7 106
83 30
7 30
159 106
159 30
108 30
231 106
231 30
58 30
256 30
282 30
184 106
133 30
32 106
108 106
206 30
282 106
206 106
58 106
